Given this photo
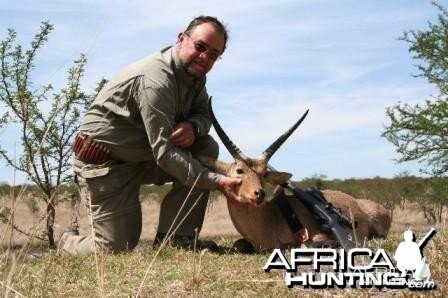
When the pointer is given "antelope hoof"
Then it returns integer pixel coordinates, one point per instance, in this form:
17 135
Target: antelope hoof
243 246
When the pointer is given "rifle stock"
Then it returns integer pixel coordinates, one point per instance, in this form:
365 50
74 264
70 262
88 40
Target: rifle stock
333 220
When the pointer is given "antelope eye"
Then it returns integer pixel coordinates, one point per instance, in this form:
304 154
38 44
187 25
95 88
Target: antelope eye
239 171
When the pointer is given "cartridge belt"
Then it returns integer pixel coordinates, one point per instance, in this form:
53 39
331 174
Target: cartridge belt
87 150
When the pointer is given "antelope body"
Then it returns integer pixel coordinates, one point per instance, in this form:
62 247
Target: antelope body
265 228
261 223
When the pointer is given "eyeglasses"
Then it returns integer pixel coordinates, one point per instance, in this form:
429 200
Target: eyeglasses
202 47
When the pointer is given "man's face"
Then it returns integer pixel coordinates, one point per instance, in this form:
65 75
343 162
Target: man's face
199 48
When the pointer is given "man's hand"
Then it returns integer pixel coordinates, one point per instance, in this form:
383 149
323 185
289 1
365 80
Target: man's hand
183 135
228 186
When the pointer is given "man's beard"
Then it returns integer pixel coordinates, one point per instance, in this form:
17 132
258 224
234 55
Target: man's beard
188 69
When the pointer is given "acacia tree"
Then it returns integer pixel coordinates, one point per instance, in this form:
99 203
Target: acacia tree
46 122
420 132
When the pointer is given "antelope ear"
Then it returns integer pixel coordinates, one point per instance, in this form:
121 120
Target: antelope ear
215 165
276 178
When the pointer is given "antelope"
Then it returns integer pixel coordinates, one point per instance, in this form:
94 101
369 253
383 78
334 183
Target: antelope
260 222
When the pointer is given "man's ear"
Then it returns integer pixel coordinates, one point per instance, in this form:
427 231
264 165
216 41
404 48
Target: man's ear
180 37
276 178
215 165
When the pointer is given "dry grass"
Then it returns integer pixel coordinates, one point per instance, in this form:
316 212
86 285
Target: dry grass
217 220
182 273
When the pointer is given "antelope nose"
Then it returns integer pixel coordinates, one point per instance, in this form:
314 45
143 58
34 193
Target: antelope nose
260 194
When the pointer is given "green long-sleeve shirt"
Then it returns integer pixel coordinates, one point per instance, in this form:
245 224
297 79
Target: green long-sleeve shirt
137 110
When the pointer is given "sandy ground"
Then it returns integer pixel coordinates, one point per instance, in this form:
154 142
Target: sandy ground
217 222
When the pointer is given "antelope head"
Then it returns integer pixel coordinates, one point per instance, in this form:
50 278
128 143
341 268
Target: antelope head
253 172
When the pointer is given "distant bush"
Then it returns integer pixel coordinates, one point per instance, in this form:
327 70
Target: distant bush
431 194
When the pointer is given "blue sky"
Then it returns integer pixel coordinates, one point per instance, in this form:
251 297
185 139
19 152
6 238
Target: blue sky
340 59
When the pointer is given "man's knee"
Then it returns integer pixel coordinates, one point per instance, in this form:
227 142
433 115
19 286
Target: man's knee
119 231
205 146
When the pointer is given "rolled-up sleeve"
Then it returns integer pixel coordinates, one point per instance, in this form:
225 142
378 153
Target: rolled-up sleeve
157 108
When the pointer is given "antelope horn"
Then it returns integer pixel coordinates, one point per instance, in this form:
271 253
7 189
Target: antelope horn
267 154
233 149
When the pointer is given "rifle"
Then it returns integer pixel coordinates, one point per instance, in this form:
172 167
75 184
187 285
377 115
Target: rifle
422 243
332 219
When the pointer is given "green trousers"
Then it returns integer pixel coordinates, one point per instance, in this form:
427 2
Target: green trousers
111 194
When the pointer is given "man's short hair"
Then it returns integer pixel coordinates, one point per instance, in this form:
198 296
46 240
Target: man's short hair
214 21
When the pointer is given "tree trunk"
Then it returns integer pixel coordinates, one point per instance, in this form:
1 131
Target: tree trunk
51 214
440 211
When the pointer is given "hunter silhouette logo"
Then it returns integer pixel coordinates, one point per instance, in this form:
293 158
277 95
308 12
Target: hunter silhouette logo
409 255
357 267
